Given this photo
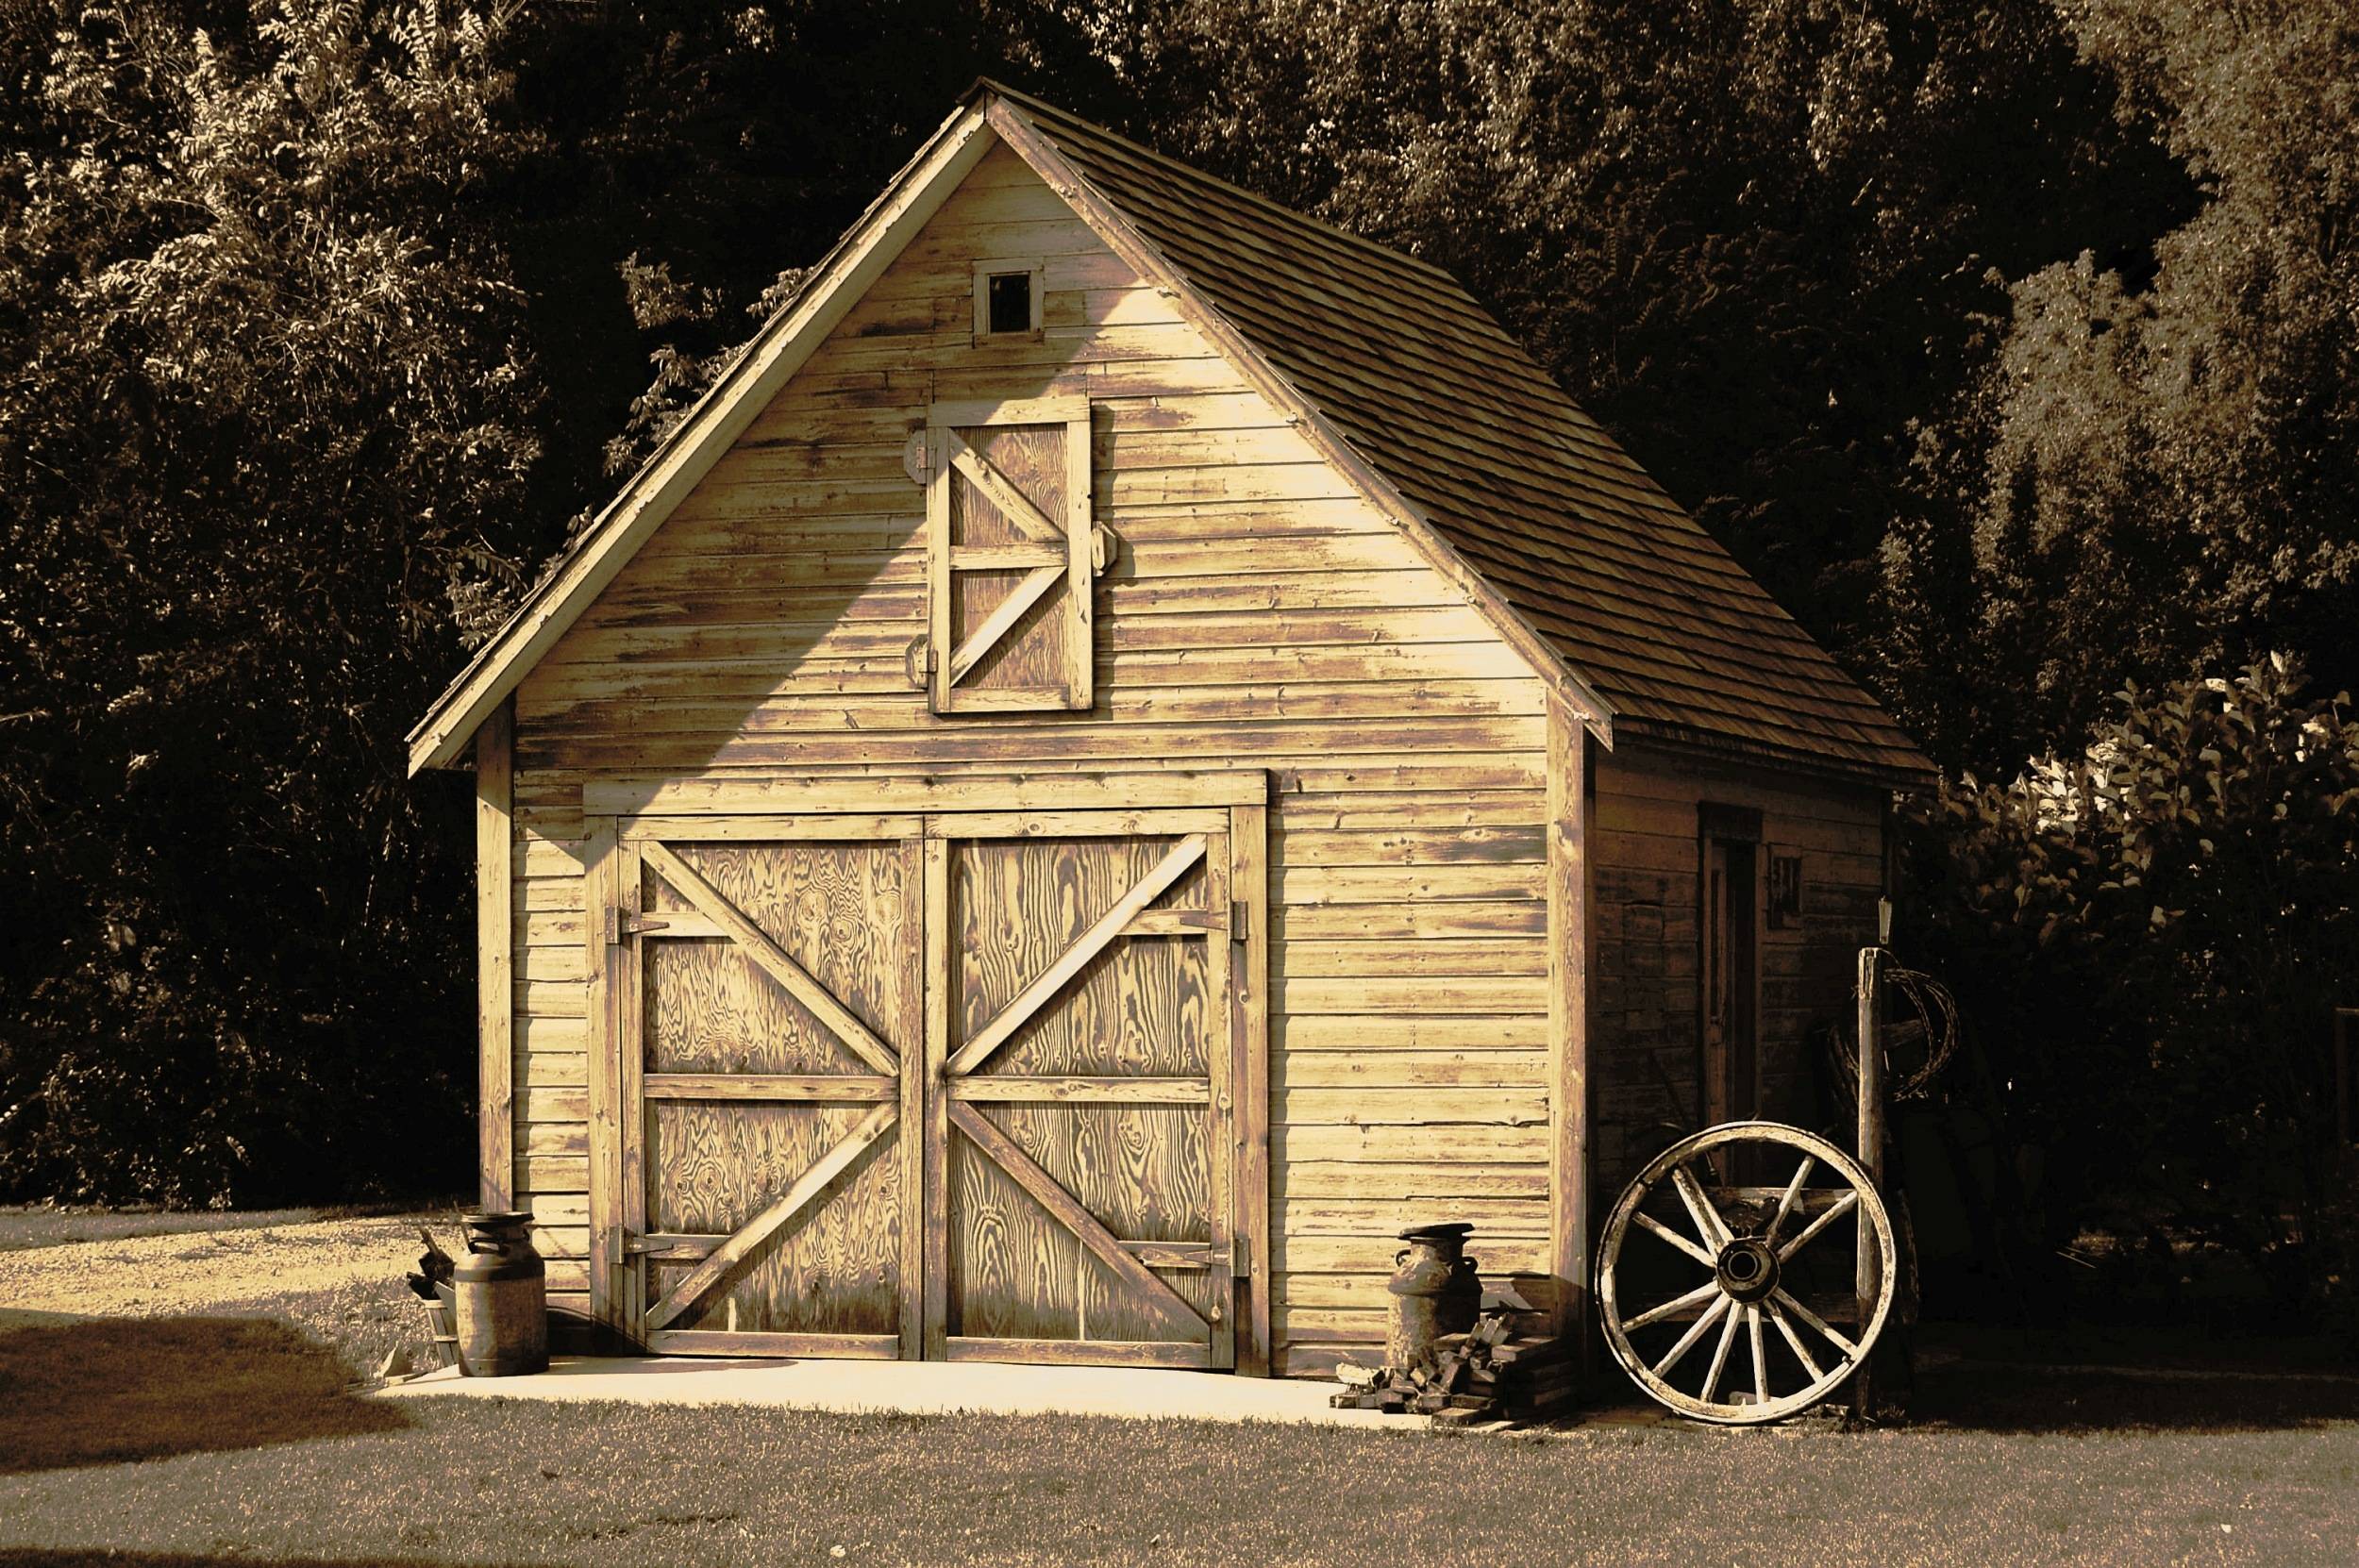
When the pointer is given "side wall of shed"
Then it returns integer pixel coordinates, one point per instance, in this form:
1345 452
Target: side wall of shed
1259 613
1644 1002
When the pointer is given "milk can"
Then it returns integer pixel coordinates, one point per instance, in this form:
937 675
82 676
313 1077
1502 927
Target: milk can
1434 1291
502 1290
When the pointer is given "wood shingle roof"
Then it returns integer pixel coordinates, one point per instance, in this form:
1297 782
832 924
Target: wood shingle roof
1528 490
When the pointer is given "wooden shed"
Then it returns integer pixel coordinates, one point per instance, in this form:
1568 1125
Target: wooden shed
1133 745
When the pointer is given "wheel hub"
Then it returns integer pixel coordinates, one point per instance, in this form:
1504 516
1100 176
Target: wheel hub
1748 1270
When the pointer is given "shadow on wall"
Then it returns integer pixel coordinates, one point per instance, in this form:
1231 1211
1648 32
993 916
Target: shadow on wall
106 1391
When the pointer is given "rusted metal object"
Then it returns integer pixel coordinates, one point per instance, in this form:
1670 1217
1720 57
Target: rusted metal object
501 1290
1434 1290
1772 1259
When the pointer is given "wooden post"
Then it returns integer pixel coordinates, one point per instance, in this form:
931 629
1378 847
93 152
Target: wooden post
1248 839
1569 1249
1871 1157
494 937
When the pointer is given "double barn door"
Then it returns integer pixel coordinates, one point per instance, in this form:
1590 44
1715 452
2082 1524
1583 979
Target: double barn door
955 1085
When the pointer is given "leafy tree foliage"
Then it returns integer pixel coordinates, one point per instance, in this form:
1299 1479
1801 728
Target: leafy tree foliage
267 419
1762 240
2156 468
2151 936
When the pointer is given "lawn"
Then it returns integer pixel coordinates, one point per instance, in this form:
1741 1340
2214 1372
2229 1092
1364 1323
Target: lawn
235 1435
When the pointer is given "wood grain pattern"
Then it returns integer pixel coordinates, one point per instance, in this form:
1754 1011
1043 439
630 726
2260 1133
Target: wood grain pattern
1259 615
495 883
1041 1188
751 1100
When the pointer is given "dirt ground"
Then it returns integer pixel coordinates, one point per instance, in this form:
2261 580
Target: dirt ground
211 1271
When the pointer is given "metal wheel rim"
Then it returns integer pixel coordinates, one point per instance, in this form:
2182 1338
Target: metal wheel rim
1869 1207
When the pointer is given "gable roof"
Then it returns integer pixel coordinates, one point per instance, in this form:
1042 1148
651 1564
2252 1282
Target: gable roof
1637 618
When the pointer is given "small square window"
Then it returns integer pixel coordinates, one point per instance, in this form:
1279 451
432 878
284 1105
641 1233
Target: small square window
1008 306
1006 298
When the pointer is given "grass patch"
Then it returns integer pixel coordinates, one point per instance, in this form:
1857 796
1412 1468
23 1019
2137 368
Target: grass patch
23 1228
485 1482
109 1390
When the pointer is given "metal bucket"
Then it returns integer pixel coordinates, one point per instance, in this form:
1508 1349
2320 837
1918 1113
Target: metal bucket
501 1288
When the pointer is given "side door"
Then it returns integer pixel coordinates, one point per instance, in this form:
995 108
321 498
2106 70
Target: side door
1082 1056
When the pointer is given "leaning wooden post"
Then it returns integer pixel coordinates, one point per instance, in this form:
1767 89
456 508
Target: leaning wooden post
1871 1159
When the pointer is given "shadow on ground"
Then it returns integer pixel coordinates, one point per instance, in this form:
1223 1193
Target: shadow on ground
52 1556
103 1391
1996 1398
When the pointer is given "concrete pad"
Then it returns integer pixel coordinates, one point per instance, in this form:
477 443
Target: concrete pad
918 1388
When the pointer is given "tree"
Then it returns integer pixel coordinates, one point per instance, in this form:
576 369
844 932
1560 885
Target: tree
2157 469
1758 240
268 423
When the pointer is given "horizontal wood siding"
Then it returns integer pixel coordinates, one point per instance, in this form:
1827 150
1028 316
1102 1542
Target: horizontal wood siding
1645 1006
1257 613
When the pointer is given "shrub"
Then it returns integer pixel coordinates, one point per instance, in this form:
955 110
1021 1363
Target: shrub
2152 939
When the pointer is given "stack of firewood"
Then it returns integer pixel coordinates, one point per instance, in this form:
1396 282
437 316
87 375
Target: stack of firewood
1490 1372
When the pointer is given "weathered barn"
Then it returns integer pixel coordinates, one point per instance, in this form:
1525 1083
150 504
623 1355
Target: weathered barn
1135 745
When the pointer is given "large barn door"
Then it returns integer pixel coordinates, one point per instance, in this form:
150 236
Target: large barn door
770 1022
958 1085
1078 1159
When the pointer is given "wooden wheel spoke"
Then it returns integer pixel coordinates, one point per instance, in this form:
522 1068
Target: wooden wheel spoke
1728 1322
1785 1299
1793 1340
1714 1229
1655 1227
1696 1297
1834 1211
1696 1330
1770 1218
1786 1204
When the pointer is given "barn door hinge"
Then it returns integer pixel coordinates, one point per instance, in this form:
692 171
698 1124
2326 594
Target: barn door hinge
629 923
1236 920
1239 1264
919 657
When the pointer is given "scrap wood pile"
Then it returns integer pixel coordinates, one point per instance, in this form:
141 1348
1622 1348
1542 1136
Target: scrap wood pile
1490 1372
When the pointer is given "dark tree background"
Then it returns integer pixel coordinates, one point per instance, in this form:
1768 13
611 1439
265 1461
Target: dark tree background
2009 341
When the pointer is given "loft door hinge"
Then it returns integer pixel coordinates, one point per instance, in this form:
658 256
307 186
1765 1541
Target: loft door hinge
919 657
1236 920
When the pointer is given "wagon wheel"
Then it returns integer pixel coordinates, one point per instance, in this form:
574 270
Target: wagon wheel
1775 1262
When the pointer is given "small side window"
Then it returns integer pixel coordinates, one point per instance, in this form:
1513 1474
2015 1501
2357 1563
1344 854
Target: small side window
1007 299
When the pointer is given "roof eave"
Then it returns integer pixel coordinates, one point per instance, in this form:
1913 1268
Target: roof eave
1908 771
701 437
1006 115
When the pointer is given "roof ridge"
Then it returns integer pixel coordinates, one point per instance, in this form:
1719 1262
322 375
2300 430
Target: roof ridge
1040 108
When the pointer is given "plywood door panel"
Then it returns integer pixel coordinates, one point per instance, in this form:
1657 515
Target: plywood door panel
765 1181
1085 1187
